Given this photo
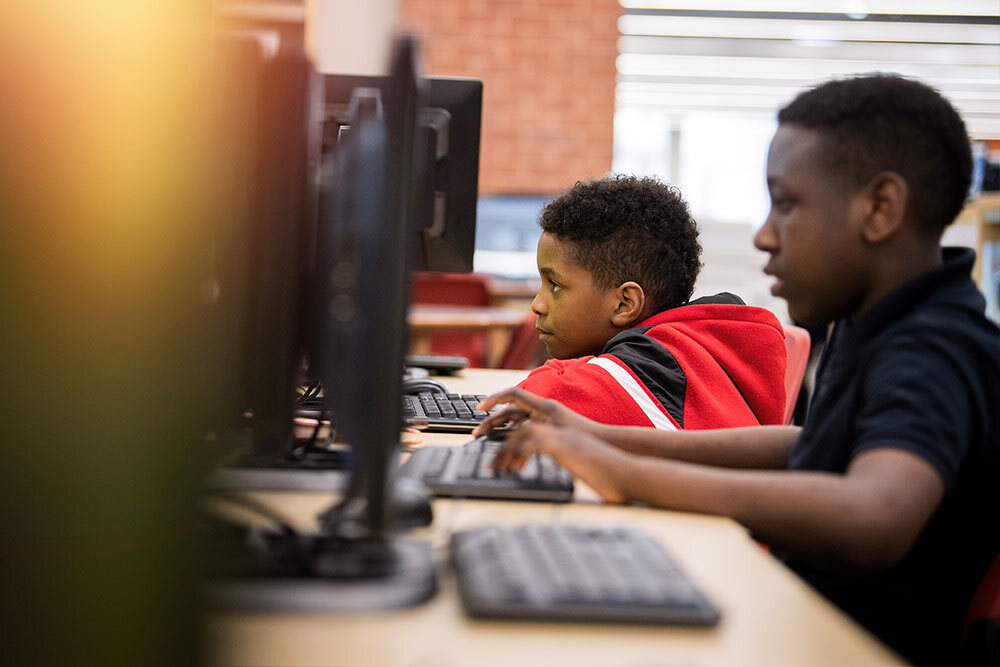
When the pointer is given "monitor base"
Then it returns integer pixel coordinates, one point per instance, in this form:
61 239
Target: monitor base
341 576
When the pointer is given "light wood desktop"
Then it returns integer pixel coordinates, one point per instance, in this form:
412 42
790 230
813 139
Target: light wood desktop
769 616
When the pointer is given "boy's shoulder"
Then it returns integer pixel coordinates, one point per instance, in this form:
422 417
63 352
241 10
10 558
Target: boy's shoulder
943 304
723 309
722 298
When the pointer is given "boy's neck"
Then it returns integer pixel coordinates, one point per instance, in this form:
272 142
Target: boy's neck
896 265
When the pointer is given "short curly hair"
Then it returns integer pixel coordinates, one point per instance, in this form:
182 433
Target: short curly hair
622 228
884 122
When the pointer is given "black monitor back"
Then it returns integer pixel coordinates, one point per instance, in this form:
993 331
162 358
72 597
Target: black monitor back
444 179
366 214
322 284
263 243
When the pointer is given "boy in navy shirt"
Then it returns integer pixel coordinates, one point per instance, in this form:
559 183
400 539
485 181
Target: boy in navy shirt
886 500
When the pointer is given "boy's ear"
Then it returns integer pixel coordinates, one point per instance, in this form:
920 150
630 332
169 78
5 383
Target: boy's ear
885 198
631 302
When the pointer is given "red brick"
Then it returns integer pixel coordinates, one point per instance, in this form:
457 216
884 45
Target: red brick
548 71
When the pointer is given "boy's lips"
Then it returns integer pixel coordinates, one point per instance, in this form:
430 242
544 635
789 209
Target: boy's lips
542 333
776 287
778 283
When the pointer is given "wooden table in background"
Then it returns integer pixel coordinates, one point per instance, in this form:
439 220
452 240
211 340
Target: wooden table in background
499 325
513 292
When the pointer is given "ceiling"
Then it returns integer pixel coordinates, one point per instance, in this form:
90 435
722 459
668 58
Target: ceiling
754 56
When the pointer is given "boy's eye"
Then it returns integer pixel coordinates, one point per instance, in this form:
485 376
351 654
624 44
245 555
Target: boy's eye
554 287
781 204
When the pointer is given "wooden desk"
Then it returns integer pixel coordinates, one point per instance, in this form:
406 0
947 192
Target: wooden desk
770 617
482 380
498 324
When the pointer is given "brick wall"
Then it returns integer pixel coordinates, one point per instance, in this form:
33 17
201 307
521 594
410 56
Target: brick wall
548 72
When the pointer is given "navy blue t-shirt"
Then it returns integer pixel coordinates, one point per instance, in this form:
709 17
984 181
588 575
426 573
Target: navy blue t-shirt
920 371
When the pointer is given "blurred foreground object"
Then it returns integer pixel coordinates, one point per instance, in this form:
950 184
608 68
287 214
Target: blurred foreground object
103 202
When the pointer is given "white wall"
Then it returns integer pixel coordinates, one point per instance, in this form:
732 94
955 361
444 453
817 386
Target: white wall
351 36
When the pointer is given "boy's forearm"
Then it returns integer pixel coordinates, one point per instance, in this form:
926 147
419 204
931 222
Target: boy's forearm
758 447
866 518
779 508
824 518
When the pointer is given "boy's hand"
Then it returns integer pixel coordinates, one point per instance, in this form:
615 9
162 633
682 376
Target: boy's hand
521 444
521 406
590 459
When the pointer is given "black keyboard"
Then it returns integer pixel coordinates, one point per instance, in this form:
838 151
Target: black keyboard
574 573
445 412
467 471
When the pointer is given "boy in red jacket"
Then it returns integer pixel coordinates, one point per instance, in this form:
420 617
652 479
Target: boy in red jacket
618 258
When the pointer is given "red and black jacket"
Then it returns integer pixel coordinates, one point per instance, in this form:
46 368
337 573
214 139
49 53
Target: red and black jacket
713 363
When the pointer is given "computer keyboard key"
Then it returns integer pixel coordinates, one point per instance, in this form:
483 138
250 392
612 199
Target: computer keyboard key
435 463
546 468
468 463
529 470
485 469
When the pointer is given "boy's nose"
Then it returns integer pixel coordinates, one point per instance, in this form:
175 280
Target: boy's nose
538 304
765 239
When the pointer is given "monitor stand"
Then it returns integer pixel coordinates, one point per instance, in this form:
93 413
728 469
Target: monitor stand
307 468
344 576
262 563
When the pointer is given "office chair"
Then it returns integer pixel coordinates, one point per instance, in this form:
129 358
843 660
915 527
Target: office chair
455 289
797 344
981 634
525 351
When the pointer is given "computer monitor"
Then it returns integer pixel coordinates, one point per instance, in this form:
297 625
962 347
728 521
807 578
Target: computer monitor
281 122
445 177
267 104
363 300
342 307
